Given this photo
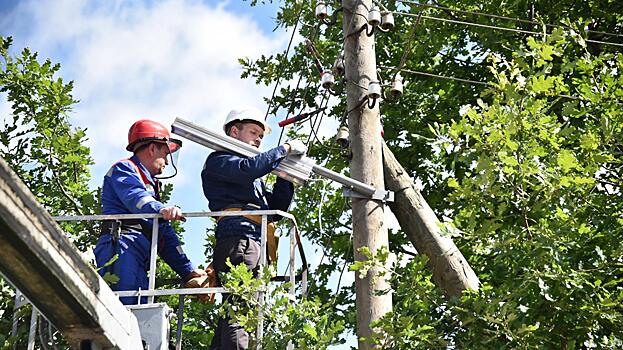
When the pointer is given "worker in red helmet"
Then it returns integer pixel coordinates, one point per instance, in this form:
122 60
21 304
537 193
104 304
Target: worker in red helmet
131 186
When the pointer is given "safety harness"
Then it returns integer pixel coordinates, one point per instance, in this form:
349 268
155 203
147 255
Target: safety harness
114 227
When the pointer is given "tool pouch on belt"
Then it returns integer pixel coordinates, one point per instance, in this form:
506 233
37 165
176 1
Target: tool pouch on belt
272 241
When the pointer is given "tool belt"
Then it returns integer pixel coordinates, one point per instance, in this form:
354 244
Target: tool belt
115 227
272 241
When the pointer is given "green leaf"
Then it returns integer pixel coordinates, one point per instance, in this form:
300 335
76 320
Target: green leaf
567 161
310 330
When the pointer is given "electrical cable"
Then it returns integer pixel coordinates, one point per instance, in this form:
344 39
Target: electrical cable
499 17
316 127
322 115
352 18
313 125
317 62
291 107
398 13
309 83
467 80
339 282
356 84
270 102
324 247
405 54
475 82
320 207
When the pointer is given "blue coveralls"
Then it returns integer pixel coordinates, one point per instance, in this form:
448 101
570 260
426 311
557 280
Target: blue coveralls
232 181
124 192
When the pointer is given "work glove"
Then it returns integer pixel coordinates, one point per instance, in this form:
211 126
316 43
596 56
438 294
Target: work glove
207 280
297 147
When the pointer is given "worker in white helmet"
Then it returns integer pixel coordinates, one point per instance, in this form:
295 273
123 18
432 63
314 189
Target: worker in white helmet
234 182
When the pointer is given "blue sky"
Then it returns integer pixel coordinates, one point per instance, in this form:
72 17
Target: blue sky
150 59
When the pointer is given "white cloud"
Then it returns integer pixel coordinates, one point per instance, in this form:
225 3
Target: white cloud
130 60
161 60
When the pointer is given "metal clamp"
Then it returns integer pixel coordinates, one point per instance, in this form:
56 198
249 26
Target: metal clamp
115 230
379 195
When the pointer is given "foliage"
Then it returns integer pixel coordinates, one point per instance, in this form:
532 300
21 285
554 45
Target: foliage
543 182
302 322
39 144
522 156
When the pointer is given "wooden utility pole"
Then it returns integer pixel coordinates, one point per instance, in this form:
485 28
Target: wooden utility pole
366 164
451 271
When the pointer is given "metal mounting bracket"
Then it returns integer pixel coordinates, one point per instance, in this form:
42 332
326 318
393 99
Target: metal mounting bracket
379 195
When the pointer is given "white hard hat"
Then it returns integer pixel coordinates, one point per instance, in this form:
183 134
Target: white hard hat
247 113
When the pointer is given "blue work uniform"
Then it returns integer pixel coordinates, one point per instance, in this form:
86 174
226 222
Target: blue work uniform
128 190
232 181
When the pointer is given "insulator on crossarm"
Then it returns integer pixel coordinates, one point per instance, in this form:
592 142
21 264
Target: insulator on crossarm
374 16
374 90
342 136
327 80
397 87
387 21
322 12
338 66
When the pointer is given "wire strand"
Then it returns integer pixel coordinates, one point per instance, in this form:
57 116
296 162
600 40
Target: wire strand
405 54
316 117
309 82
498 16
328 240
487 26
322 115
467 80
298 83
270 102
438 76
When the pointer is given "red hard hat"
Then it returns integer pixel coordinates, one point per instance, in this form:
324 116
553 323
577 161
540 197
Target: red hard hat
146 130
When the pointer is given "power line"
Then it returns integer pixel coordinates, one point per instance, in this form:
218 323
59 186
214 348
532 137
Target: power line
308 82
467 80
313 123
498 16
352 18
475 82
403 59
298 83
270 102
322 115
496 27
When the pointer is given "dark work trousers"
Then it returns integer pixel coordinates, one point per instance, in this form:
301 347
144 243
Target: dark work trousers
239 250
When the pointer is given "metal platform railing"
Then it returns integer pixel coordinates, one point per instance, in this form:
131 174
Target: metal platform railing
152 292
